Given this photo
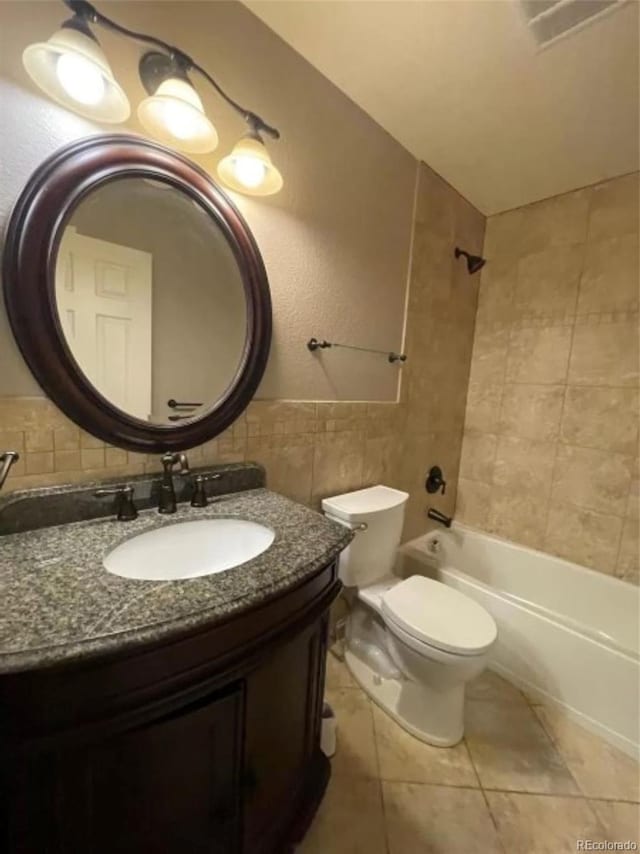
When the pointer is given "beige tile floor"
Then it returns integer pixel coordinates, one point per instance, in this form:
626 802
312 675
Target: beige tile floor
524 780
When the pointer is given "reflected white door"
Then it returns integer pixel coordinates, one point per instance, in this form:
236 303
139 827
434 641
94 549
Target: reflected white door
103 293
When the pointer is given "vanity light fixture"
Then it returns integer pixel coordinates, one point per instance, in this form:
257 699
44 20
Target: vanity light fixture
249 169
72 69
173 112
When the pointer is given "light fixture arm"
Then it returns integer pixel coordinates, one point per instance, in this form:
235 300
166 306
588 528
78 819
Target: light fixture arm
85 11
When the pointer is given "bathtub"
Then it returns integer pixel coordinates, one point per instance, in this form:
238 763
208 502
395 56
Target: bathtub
567 635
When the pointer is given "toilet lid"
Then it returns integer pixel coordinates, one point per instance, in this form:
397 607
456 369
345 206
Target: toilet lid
440 616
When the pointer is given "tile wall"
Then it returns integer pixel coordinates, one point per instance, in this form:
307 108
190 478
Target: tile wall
309 449
550 452
439 338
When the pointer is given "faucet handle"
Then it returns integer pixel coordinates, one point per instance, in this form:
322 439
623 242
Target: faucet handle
435 481
199 497
124 506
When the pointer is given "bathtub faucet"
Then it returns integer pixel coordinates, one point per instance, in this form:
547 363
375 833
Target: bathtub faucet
437 516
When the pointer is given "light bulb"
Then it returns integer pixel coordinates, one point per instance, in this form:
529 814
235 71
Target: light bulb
80 78
249 171
72 69
180 120
175 115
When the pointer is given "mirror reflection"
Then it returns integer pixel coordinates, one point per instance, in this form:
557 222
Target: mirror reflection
151 300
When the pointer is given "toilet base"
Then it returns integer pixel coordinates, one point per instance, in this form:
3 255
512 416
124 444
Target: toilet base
435 717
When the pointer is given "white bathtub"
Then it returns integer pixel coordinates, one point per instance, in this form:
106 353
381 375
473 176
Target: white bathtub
566 634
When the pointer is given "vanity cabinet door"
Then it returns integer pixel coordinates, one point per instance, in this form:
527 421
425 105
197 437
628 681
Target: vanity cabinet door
284 703
167 786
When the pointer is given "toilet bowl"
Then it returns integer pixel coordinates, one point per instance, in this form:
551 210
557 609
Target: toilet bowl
412 644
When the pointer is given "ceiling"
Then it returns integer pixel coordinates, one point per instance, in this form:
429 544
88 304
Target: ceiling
462 85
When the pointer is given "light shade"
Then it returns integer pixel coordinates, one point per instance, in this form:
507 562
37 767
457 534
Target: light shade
72 69
248 169
175 116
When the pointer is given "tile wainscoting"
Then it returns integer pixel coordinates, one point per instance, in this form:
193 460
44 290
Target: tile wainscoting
309 449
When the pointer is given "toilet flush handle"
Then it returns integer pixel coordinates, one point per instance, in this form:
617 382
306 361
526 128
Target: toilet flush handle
356 527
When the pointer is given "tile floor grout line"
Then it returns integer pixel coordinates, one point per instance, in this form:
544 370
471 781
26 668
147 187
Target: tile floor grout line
471 762
577 796
533 793
387 841
494 821
484 796
431 783
556 746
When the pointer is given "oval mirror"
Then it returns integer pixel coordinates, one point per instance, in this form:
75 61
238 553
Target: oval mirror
151 324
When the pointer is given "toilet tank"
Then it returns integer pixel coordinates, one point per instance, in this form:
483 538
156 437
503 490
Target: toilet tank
372 552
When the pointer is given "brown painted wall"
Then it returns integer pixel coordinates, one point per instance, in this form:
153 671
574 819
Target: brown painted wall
550 456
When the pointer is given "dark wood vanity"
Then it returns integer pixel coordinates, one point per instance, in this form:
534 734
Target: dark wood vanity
208 742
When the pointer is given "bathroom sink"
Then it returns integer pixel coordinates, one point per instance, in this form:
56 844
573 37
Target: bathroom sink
189 549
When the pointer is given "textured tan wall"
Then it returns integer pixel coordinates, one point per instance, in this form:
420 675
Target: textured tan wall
335 241
550 455
439 338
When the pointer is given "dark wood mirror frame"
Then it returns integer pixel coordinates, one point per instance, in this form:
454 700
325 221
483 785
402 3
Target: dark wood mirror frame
31 247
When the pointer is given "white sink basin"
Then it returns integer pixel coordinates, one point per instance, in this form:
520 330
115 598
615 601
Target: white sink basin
189 549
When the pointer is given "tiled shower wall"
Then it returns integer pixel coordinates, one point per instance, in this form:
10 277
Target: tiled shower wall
550 453
439 338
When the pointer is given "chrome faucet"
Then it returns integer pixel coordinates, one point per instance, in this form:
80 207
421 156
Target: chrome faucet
167 490
7 459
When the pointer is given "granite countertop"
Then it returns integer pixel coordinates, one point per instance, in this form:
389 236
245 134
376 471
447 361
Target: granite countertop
59 603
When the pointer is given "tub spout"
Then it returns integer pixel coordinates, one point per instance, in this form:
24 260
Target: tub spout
437 516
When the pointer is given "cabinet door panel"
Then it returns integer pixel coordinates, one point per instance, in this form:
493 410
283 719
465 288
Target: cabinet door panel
169 786
281 736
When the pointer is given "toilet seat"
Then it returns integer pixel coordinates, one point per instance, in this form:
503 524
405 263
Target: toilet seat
438 616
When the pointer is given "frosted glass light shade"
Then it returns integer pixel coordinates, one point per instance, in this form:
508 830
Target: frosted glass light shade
72 69
248 169
175 116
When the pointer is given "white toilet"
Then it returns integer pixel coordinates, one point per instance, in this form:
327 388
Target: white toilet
412 644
